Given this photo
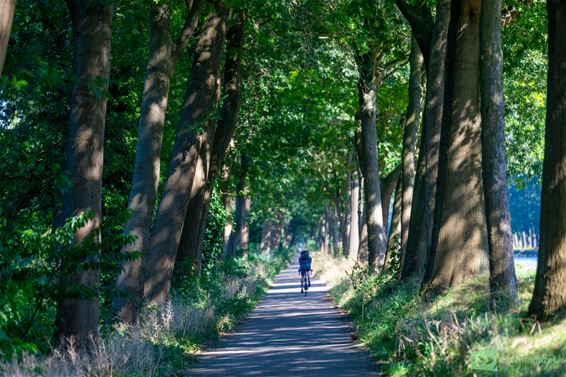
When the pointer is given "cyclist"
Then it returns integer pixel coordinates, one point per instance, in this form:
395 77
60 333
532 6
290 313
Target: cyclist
305 268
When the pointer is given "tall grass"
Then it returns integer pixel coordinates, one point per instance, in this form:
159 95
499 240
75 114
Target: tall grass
168 336
409 336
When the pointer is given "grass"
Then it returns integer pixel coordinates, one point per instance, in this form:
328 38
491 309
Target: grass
410 337
168 337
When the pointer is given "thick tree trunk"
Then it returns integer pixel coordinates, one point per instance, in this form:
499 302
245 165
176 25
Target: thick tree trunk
460 250
354 229
7 10
163 57
199 206
395 231
414 259
78 315
412 123
188 245
549 296
367 88
201 90
501 265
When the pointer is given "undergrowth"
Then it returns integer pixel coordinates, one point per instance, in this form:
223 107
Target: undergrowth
453 334
169 336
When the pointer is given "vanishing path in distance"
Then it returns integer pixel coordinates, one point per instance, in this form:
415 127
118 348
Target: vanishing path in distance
289 335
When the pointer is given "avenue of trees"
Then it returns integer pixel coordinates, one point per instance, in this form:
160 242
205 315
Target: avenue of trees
143 142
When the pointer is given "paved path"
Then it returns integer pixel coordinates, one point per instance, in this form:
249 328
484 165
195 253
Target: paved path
288 335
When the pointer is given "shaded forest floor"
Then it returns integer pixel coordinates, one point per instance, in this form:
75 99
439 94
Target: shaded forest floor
168 337
454 335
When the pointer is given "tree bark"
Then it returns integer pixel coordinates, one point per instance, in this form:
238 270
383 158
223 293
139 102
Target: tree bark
276 230
388 188
414 259
78 314
241 214
188 245
412 122
201 90
549 296
228 202
197 214
420 18
354 230
395 231
341 219
367 90
459 246
501 265
163 58
7 10
327 233
363 249
265 245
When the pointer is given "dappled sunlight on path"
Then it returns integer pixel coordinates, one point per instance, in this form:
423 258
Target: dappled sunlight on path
288 334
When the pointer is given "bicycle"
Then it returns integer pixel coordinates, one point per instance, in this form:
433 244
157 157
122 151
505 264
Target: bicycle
305 281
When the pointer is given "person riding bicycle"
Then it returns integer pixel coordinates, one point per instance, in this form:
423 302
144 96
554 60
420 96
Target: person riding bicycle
304 267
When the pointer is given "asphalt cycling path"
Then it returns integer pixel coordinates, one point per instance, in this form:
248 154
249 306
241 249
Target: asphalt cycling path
288 334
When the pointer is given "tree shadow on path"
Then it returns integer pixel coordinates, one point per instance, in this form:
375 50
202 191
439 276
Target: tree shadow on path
288 334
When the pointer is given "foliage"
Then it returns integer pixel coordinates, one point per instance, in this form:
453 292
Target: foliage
169 336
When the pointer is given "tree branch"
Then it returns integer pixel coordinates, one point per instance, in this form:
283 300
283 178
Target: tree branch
191 21
422 23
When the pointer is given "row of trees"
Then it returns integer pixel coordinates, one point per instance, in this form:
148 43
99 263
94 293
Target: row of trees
342 106
454 224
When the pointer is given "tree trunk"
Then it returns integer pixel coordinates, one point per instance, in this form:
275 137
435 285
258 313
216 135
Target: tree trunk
459 252
327 239
414 259
245 229
163 57
241 214
228 202
501 265
367 90
412 123
188 245
199 206
420 18
265 245
549 296
363 249
276 230
354 229
78 314
395 232
342 222
388 188
335 234
201 90
7 10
